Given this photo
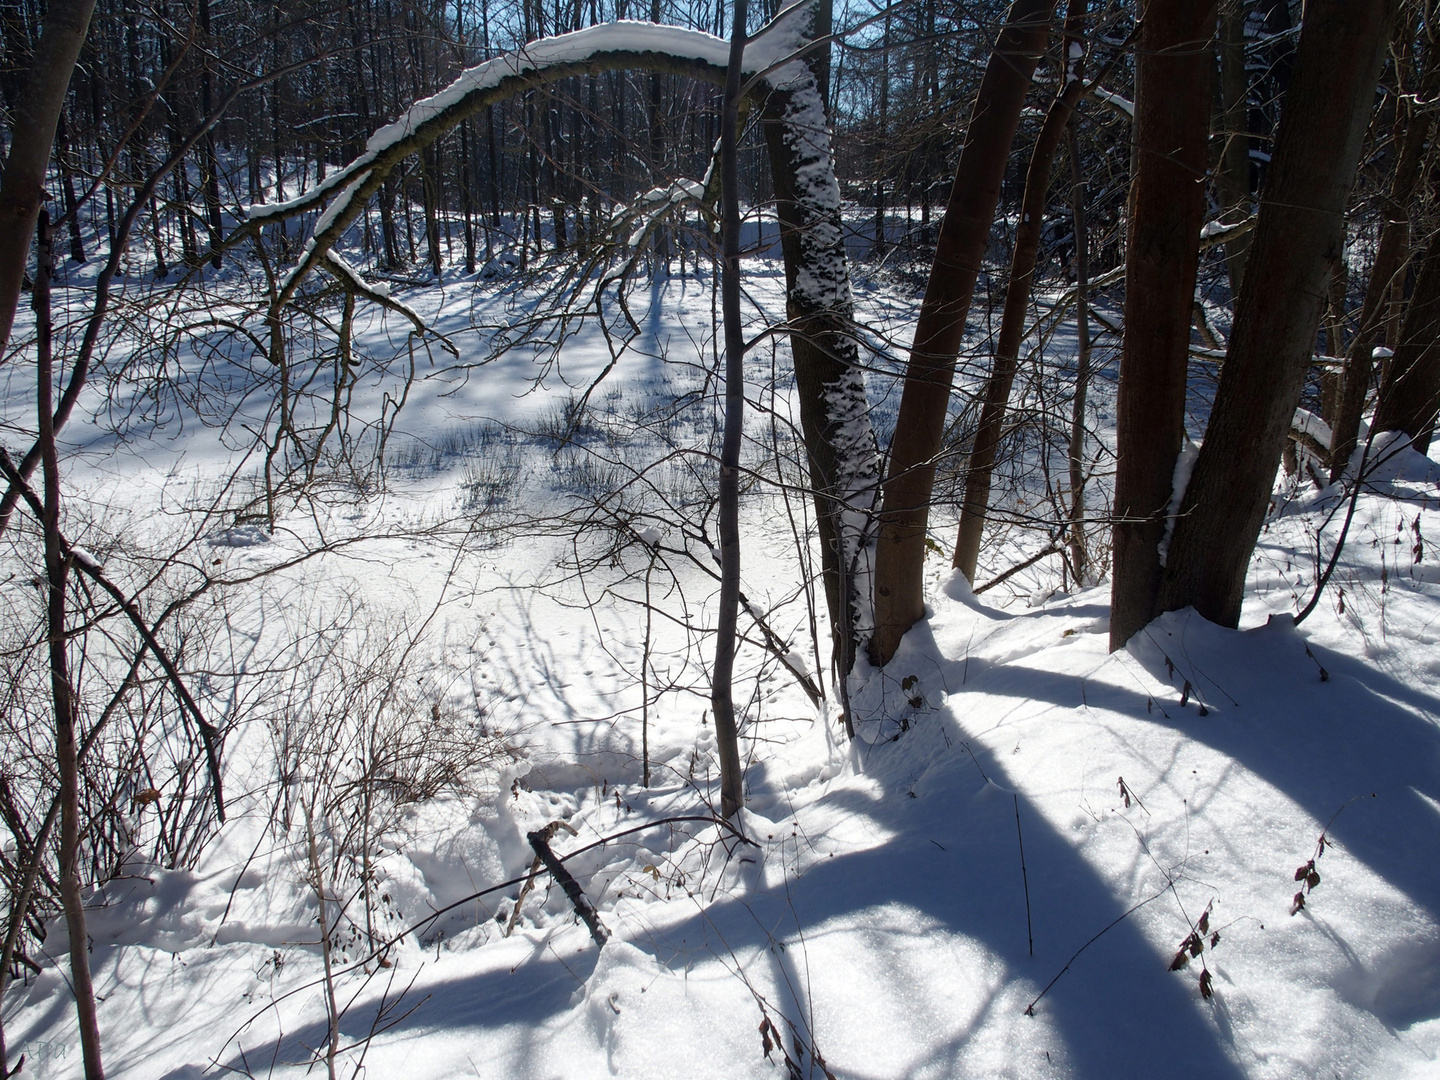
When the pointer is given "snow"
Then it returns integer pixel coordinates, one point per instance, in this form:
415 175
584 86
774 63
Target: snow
1184 468
1124 104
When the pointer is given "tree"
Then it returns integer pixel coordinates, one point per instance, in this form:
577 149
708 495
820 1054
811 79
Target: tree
1410 398
1413 128
964 233
1017 298
35 114
1167 203
1298 238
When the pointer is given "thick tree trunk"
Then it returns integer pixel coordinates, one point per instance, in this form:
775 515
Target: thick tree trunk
976 502
900 552
1167 203
1410 398
1297 238
32 133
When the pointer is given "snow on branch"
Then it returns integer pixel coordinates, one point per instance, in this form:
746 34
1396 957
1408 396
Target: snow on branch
608 47
350 278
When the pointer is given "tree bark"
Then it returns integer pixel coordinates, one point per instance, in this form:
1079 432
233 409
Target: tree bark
1167 203
840 444
1410 398
1232 176
32 133
976 501
732 795
1297 239
910 479
1388 267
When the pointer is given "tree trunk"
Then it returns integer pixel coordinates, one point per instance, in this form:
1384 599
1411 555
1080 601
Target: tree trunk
1388 267
732 795
1167 204
32 133
976 502
1410 398
57 569
900 553
1078 557
1297 238
1232 177
834 415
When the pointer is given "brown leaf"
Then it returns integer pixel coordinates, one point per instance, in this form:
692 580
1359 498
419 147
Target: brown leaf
1181 959
1301 871
1215 939
1313 878
1205 988
1297 903
1204 924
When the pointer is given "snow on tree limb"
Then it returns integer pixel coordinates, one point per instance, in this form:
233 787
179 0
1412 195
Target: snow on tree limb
608 47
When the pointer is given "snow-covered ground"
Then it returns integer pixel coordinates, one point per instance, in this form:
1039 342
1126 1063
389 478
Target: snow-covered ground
997 878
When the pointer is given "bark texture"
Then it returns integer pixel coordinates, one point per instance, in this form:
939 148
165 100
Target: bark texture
1172 119
1298 237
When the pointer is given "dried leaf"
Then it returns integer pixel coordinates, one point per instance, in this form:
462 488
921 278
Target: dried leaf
1185 694
1206 991
1312 879
1215 939
1301 871
1197 946
1204 924
1181 959
765 1036
1297 903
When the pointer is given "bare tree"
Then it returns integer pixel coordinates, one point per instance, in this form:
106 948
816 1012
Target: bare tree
1167 202
910 478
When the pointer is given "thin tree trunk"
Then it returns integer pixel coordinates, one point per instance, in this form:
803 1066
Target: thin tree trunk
1078 556
722 705
976 501
1167 202
900 553
57 570
1297 238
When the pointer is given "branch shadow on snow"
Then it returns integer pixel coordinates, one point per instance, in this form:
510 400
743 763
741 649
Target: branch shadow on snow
948 879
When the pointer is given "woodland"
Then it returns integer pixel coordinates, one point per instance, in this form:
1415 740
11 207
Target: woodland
498 495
